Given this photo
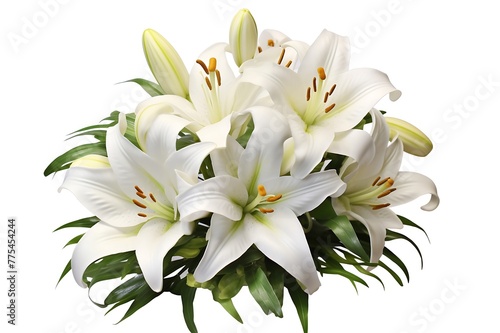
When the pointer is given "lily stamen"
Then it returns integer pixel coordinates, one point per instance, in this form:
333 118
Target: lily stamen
152 197
217 73
386 192
274 198
202 64
376 207
282 55
139 204
262 190
266 210
321 73
141 195
270 42
212 64
138 189
288 64
142 215
328 109
209 84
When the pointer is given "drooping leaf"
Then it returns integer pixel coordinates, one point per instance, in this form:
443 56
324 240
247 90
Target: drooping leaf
86 222
152 88
64 272
262 291
187 297
301 301
63 161
74 240
342 228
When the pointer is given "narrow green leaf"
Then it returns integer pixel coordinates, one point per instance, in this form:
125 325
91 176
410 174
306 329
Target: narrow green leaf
86 222
262 291
63 161
187 297
277 280
414 225
301 301
150 87
342 228
97 134
395 259
127 291
392 235
64 272
227 304
391 271
74 240
141 300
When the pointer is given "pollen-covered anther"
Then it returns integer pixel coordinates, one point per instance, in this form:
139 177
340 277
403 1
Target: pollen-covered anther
262 190
142 215
141 195
274 198
288 64
376 207
386 193
329 108
383 181
282 55
212 64
321 73
152 197
138 189
217 73
209 84
270 42
139 204
202 64
266 210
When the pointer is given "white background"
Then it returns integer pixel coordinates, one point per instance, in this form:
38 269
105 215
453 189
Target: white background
60 62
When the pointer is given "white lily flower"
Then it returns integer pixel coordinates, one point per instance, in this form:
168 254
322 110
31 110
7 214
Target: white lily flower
133 194
165 64
253 205
378 184
326 100
215 94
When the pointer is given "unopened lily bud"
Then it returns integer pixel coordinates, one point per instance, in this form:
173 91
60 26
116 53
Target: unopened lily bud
243 36
415 142
165 64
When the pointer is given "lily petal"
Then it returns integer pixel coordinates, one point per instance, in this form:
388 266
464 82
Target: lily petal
99 241
411 185
223 195
376 221
154 240
228 240
280 237
97 190
303 195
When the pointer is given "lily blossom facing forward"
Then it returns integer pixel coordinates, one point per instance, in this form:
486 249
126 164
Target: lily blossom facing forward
253 205
133 194
373 187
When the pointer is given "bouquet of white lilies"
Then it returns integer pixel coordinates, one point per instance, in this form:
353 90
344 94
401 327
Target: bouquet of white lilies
267 168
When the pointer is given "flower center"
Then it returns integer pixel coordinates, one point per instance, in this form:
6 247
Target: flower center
151 207
262 201
371 196
317 97
211 89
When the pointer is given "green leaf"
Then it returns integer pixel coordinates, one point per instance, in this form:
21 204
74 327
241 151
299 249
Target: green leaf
395 259
230 285
127 291
227 304
277 280
152 88
65 271
86 222
74 240
301 301
63 161
262 291
187 297
342 228
392 235
414 225
142 299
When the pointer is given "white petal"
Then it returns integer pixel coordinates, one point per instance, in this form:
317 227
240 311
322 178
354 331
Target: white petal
311 143
157 132
216 132
99 192
225 160
280 237
175 105
376 221
303 195
264 151
358 90
131 166
223 195
277 38
330 51
228 241
99 241
356 144
154 240
411 185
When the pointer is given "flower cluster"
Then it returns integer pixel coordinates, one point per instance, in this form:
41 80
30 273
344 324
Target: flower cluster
267 165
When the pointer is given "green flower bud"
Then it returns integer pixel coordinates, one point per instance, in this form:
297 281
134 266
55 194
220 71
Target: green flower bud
165 64
415 142
243 36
